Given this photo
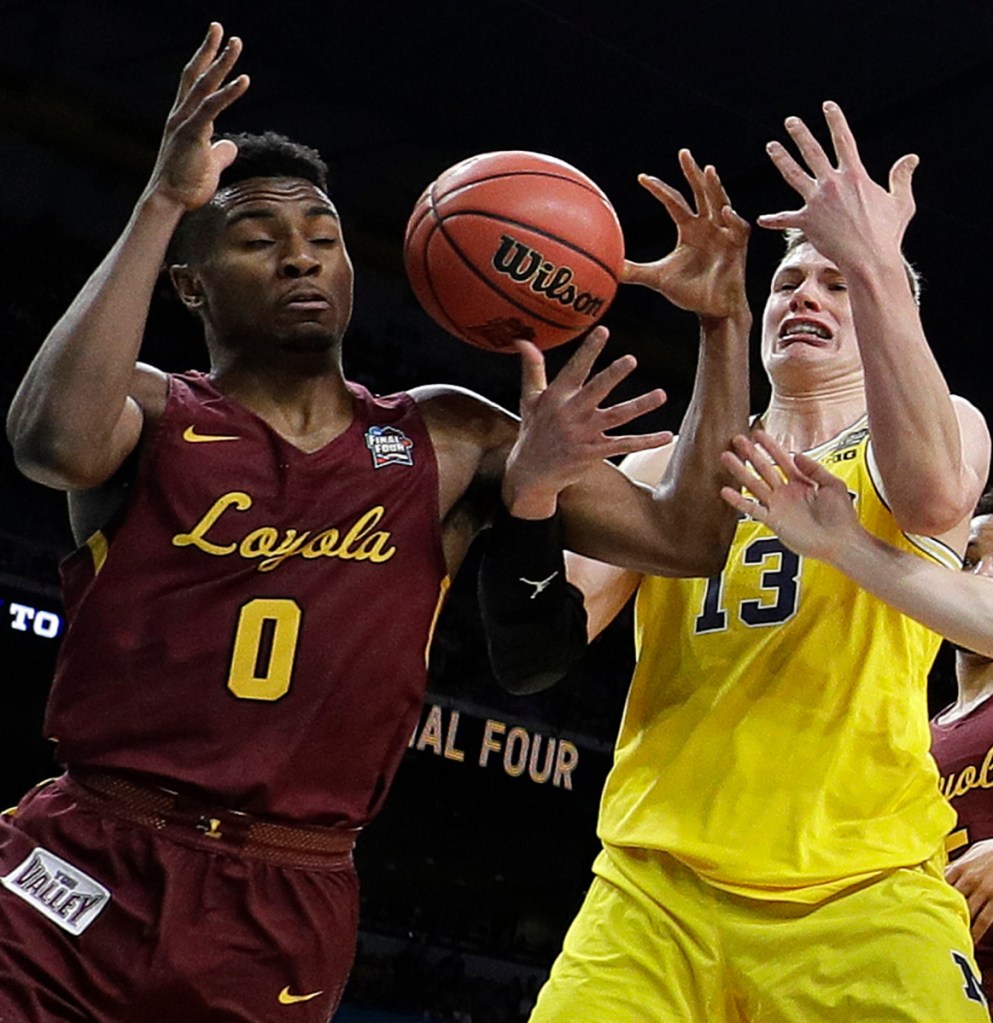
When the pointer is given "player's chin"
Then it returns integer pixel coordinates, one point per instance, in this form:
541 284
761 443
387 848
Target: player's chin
309 338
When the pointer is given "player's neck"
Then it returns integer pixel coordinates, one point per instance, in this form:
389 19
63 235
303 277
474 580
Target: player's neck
974 675
802 421
307 410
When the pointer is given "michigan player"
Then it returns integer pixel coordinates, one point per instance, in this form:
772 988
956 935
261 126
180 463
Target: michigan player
811 511
262 554
772 827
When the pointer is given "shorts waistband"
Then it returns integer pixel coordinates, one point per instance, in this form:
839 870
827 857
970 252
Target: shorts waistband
189 819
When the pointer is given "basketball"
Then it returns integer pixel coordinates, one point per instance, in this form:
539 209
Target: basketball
514 245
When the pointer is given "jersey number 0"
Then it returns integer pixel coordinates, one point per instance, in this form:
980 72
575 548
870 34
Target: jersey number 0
265 646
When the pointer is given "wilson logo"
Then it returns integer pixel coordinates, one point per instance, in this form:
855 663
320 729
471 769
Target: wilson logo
527 266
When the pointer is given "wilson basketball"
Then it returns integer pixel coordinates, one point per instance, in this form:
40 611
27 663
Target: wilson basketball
512 245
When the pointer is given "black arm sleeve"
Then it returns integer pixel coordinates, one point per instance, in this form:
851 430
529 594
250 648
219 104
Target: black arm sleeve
535 620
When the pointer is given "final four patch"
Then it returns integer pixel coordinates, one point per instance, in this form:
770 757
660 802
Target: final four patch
389 446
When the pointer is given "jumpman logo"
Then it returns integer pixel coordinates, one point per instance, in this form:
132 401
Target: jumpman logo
538 586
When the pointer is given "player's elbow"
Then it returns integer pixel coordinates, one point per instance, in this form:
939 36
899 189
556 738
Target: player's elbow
935 510
56 462
701 551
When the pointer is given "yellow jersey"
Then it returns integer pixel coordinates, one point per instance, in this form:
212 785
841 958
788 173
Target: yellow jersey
775 738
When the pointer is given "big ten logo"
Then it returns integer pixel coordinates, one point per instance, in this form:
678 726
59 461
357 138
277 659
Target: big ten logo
518 750
842 456
24 618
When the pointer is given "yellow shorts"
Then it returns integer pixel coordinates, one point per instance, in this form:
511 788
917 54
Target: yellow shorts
895 950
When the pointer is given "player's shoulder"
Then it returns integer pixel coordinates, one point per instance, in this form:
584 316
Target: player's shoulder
150 389
648 466
458 412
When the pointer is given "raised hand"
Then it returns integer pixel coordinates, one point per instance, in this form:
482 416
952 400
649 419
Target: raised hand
806 505
845 213
705 272
972 875
188 165
563 426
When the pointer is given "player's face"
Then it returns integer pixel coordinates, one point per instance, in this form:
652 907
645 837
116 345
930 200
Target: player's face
979 561
807 330
979 550
277 274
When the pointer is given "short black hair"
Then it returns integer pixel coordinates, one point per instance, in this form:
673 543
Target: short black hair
269 155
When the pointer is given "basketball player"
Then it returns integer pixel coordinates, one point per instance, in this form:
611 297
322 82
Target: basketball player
811 510
262 554
772 826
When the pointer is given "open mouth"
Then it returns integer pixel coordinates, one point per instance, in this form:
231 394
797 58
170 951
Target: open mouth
806 331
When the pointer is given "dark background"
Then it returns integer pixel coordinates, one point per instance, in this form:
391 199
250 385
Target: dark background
470 869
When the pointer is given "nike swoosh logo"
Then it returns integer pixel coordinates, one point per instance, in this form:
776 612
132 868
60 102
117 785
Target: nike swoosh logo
285 998
190 434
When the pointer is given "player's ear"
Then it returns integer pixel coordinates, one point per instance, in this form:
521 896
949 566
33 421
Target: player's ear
186 281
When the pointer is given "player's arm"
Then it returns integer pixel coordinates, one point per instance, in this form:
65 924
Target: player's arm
678 526
811 510
78 413
972 875
535 620
932 451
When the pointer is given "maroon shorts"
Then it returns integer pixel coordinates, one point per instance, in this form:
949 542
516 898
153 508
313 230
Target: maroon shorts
106 920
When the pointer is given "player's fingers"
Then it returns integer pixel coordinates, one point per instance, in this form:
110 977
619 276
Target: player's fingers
210 83
624 411
743 472
219 101
793 174
599 386
738 226
740 503
845 148
574 373
775 451
981 922
533 381
810 149
817 473
780 221
901 176
676 205
225 151
697 180
200 60
628 444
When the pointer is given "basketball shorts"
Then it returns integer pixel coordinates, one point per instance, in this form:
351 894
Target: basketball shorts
896 950
107 921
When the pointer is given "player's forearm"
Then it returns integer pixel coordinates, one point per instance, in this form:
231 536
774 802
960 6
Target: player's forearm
65 418
956 605
676 528
915 431
689 491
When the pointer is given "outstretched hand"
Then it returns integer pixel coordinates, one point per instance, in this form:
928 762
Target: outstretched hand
806 505
563 426
705 272
845 213
188 165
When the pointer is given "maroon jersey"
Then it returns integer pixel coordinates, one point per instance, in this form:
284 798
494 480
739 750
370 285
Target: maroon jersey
963 750
254 626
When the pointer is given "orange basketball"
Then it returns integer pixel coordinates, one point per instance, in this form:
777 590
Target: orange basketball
512 245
